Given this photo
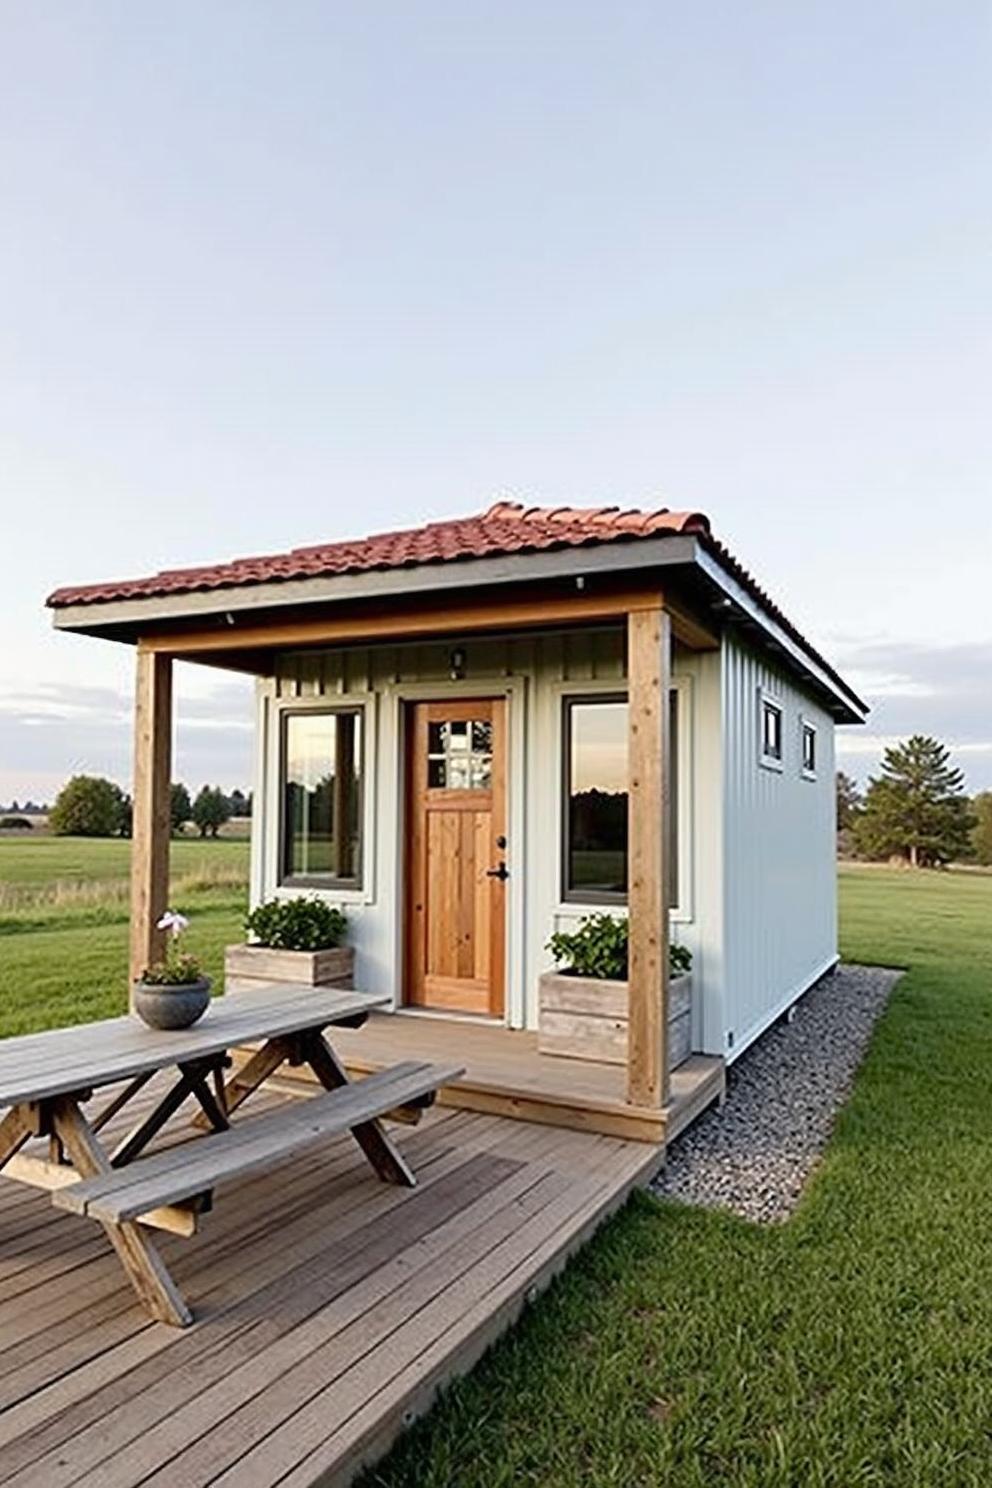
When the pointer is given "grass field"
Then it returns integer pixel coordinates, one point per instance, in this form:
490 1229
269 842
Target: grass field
851 1346
64 921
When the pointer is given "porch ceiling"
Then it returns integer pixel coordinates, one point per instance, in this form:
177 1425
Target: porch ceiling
251 641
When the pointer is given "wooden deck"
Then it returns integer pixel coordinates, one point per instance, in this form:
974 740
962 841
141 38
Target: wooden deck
506 1076
330 1307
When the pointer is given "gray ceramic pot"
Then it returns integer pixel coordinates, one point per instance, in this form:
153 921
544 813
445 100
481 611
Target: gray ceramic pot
171 1007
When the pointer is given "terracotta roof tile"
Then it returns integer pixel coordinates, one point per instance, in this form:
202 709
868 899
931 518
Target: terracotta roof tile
507 527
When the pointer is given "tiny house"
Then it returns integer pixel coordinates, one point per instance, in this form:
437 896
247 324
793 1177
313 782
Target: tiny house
474 733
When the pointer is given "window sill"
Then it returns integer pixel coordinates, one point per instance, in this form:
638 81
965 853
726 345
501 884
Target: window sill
322 891
608 906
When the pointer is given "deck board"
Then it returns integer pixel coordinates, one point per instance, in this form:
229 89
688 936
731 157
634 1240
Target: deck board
505 1075
329 1306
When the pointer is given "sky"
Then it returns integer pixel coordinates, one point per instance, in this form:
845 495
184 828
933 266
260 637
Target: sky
276 274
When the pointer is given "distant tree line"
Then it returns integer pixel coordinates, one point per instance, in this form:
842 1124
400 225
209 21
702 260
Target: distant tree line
915 810
90 806
208 810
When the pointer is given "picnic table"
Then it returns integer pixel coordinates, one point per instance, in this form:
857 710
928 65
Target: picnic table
47 1080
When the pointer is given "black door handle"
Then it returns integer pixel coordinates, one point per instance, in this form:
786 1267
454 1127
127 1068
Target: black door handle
502 873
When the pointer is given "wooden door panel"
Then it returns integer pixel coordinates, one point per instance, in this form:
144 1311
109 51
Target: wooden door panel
482 895
455 910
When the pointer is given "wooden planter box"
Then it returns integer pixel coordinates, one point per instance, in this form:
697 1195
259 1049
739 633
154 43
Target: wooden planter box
582 1018
252 965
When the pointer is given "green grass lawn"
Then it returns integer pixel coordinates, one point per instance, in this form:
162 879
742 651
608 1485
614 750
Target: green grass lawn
64 922
850 1346
38 861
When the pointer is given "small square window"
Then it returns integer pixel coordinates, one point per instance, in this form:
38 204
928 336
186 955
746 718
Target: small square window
809 749
771 732
460 754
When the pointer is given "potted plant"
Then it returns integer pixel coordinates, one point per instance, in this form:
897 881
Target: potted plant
583 1004
293 940
172 993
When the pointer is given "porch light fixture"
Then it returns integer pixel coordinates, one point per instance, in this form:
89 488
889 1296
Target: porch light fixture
456 664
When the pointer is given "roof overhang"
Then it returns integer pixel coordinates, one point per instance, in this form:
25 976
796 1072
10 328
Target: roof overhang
684 561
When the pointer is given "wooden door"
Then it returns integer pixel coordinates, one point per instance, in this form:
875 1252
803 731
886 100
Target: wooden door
457 860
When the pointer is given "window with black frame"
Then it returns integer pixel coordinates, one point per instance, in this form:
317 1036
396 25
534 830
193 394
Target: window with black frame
595 847
809 749
321 781
771 732
594 857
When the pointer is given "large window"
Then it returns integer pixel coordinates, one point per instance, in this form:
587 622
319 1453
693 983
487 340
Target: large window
321 781
595 867
595 816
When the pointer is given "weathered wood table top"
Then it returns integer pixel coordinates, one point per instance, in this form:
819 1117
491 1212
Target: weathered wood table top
38 1066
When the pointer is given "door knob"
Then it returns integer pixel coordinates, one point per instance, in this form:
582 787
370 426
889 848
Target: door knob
502 873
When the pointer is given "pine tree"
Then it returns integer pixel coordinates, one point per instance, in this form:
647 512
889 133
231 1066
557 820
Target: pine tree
848 801
916 809
981 835
180 806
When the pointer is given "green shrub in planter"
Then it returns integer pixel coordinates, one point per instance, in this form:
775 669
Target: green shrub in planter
297 924
598 948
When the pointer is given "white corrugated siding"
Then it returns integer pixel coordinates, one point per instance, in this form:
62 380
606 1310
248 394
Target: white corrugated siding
779 876
536 671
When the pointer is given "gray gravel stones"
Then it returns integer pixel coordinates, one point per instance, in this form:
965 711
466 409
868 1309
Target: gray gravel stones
754 1155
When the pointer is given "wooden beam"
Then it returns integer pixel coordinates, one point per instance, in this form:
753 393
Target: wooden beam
151 826
336 626
649 647
692 632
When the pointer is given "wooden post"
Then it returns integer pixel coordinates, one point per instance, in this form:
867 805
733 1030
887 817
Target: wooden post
152 816
649 682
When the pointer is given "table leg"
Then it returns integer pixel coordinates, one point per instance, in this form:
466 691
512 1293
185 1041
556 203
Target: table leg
263 1063
121 1100
193 1082
19 1124
371 1136
136 1252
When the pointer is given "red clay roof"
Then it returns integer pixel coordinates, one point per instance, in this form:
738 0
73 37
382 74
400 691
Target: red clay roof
507 527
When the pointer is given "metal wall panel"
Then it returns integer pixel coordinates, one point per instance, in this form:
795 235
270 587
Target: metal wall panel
779 860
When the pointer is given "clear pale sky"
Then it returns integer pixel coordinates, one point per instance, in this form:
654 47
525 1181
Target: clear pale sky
276 273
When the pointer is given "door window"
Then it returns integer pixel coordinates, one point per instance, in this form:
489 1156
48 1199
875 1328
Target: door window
460 755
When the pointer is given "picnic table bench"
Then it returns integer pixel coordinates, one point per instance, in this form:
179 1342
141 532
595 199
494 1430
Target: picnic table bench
47 1079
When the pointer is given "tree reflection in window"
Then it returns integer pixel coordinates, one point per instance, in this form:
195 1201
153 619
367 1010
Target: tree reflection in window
322 797
596 798
596 804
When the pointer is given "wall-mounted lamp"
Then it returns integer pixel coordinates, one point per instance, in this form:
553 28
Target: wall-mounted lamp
456 664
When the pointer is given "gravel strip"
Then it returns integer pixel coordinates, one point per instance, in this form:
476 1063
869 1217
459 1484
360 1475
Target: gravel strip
753 1157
